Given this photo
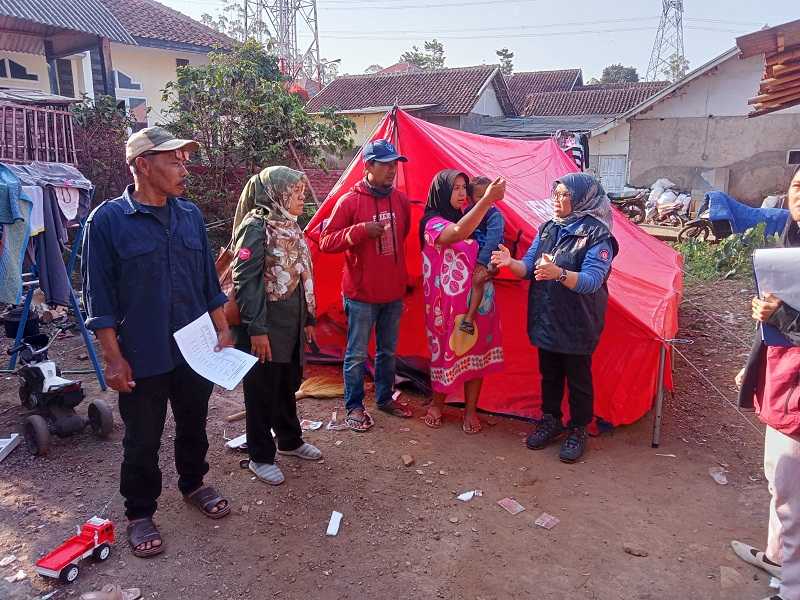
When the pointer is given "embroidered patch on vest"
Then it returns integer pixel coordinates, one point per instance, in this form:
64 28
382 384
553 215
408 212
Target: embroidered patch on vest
604 255
245 254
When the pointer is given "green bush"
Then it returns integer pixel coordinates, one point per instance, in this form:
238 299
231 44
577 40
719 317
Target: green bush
730 258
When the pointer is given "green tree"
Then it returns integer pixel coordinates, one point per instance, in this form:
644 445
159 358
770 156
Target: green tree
618 73
676 68
231 21
432 57
372 69
506 61
240 110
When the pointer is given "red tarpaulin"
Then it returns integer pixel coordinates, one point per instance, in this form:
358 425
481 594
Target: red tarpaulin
645 285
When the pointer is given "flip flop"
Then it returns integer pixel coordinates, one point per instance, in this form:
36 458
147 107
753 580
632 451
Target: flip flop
397 409
435 422
205 498
357 424
141 531
469 430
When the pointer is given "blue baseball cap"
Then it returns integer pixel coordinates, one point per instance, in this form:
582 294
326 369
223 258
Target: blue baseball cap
381 151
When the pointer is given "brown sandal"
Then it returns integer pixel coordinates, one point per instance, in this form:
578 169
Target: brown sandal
205 499
141 531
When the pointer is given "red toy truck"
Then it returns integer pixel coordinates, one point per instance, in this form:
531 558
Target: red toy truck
94 538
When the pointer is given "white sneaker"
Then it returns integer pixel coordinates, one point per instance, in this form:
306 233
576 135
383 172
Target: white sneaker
306 451
266 472
756 557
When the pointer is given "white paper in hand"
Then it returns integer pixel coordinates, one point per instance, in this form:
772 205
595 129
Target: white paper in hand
197 341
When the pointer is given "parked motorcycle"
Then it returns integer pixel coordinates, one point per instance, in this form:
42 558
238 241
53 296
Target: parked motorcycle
669 213
722 215
632 204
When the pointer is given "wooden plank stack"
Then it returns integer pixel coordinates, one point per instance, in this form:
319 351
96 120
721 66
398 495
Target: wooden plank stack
780 84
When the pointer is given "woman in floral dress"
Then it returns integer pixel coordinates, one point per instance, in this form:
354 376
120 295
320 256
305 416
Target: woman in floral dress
459 361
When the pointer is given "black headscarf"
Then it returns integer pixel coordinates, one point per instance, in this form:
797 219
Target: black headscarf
791 234
439 200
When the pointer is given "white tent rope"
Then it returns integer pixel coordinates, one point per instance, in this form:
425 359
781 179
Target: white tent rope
719 392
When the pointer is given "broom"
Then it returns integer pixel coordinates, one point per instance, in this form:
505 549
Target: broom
320 386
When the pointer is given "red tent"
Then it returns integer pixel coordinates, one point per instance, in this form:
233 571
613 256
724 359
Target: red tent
645 285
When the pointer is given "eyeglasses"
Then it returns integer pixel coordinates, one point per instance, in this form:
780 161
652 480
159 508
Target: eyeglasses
560 195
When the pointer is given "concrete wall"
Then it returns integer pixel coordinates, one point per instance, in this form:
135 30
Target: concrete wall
616 141
365 125
701 136
687 150
153 68
722 92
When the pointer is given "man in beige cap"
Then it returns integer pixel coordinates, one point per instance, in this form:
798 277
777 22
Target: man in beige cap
147 272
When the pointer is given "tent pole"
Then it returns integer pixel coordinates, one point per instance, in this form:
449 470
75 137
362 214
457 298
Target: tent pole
662 359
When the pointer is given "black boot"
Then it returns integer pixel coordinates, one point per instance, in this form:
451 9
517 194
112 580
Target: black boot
548 429
574 446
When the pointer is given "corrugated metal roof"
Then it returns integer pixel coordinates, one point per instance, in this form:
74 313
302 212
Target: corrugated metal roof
33 97
87 16
536 127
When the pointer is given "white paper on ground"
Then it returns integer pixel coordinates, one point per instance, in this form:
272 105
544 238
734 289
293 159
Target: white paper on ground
333 524
467 496
197 341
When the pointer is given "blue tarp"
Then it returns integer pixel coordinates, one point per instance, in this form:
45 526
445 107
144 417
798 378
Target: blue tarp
742 217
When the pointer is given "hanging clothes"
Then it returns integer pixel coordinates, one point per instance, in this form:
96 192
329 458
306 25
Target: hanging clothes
68 199
50 246
15 213
36 195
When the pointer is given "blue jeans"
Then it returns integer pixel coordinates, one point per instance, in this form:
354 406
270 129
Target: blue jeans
361 317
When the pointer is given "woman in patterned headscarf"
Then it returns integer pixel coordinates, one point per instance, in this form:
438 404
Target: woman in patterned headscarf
569 263
273 280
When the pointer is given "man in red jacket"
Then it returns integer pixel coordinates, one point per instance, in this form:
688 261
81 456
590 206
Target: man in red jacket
370 225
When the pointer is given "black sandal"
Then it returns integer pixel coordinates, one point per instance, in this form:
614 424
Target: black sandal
205 499
141 531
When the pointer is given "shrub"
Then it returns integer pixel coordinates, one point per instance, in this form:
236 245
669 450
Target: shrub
730 258
100 136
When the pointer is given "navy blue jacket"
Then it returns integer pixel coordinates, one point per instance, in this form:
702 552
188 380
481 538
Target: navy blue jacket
147 281
564 320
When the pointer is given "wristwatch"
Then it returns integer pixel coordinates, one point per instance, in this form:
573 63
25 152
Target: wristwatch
563 277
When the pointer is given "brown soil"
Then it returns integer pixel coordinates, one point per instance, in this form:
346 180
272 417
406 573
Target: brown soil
404 534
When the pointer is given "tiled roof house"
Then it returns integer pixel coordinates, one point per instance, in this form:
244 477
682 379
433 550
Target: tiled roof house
445 96
136 49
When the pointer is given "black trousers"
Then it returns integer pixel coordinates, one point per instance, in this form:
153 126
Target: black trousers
144 411
576 369
269 399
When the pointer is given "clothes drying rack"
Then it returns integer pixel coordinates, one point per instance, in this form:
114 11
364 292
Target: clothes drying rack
30 284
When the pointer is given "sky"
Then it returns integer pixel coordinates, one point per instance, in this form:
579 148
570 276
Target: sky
543 34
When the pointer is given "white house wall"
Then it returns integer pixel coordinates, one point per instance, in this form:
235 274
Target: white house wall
34 64
701 138
153 68
723 92
614 141
488 104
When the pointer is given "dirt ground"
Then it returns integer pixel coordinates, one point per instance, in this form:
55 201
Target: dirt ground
404 534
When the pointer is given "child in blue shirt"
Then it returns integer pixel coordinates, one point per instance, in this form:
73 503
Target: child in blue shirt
489 235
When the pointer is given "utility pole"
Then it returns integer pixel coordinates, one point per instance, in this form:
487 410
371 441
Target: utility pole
668 45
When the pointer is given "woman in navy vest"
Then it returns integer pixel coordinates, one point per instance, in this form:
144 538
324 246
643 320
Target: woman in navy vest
569 263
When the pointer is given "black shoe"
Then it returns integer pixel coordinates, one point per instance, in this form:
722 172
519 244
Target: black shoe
548 429
574 446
